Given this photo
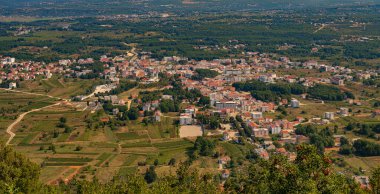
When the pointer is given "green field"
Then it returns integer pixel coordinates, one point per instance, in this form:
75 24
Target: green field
14 103
58 87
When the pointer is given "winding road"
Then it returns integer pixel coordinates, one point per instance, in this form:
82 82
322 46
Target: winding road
20 117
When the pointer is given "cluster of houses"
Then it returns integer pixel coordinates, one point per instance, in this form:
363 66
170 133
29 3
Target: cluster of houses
146 69
12 70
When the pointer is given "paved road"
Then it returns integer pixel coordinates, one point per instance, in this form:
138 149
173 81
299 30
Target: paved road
18 120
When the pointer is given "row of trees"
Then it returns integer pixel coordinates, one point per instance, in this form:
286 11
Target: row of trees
372 82
360 147
369 130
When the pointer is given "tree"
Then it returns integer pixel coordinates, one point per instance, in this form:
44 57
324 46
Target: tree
204 146
309 173
326 92
350 127
133 113
344 141
366 148
204 100
321 139
269 92
214 122
204 73
52 148
78 148
150 175
68 129
169 106
18 174
62 120
374 180
346 150
172 162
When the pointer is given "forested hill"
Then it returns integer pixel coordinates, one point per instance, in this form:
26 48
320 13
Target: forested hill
58 8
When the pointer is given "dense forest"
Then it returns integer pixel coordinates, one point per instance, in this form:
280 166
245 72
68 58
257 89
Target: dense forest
270 92
327 92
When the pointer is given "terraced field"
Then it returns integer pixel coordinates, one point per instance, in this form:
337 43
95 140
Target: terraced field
89 152
85 147
12 104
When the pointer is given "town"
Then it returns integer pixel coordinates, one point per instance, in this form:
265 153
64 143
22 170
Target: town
227 99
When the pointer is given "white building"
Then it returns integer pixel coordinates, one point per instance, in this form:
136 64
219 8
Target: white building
167 97
185 119
256 115
260 132
344 111
294 103
329 115
191 111
275 129
8 60
115 111
12 85
223 105
157 116
337 81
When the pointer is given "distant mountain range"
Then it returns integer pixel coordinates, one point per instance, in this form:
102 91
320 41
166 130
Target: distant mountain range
101 7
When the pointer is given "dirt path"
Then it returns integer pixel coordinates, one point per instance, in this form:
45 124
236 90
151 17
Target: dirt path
320 28
18 120
119 148
65 179
175 117
20 117
18 91
71 176
150 139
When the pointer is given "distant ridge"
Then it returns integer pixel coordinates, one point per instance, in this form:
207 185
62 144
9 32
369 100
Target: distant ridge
58 8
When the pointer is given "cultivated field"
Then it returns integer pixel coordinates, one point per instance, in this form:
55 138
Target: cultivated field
13 103
62 88
95 152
